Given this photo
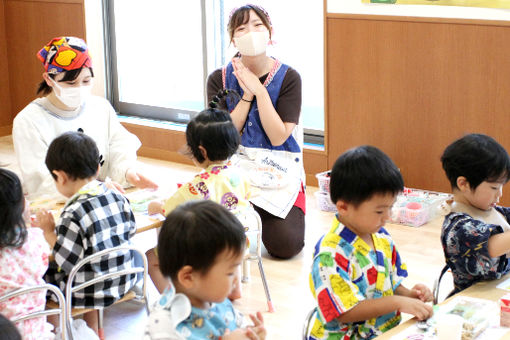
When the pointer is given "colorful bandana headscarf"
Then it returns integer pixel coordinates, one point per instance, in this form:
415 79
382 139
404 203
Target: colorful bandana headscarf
64 54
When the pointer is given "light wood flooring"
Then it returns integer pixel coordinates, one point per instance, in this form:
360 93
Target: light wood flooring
420 249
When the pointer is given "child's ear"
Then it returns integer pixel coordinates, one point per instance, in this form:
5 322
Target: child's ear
463 184
342 207
185 277
203 151
62 177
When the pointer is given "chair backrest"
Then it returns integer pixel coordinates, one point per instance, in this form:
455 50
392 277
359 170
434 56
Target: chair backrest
70 289
61 310
308 323
437 284
250 219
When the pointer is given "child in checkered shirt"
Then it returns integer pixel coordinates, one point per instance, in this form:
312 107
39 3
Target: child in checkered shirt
357 273
94 218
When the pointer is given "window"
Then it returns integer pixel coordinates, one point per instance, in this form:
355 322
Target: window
162 51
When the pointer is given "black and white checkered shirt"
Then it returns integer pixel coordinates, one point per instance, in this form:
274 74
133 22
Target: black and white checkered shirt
94 219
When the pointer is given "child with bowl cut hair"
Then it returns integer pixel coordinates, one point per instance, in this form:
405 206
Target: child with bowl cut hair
200 248
476 233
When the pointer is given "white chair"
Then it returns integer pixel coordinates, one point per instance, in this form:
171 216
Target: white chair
308 323
59 309
251 218
437 284
70 289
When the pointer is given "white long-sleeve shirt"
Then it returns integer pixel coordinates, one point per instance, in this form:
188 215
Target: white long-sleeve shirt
35 127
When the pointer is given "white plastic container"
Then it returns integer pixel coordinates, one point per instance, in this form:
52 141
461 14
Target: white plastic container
323 179
416 207
324 201
449 327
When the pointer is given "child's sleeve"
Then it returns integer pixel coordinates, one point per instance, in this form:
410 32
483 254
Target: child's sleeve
466 241
69 248
334 284
398 268
179 197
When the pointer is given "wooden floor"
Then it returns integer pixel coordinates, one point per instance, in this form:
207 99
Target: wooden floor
419 248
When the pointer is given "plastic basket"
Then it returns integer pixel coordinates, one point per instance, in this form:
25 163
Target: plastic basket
324 201
323 179
416 207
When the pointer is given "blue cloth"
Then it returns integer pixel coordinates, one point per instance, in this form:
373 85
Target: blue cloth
465 246
254 135
173 317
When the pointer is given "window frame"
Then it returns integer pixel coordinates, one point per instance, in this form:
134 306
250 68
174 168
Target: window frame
210 31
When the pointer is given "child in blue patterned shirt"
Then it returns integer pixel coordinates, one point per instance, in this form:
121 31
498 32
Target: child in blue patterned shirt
201 246
476 233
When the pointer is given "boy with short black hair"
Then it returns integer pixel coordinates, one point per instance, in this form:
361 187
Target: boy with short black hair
476 233
94 218
200 248
357 272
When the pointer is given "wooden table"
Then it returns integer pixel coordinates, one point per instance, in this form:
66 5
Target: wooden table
483 290
144 222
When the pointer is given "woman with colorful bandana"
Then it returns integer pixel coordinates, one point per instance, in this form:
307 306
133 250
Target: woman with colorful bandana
68 106
267 116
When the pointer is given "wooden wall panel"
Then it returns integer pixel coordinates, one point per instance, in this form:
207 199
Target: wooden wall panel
5 102
166 144
159 143
411 88
314 162
28 26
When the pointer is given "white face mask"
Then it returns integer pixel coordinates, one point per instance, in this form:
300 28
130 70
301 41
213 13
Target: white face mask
72 97
252 43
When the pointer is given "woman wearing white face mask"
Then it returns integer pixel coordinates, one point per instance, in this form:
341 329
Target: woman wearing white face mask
69 106
267 116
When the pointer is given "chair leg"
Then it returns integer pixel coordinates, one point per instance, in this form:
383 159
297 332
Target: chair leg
246 271
266 288
100 324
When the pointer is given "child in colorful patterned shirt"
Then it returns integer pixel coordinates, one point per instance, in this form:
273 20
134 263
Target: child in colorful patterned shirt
23 260
201 246
357 272
476 233
94 218
211 139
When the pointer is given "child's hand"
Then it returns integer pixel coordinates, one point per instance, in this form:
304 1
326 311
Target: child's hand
155 207
416 307
240 334
258 325
422 292
44 220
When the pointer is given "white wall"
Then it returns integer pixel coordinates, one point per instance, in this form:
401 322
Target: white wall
356 7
